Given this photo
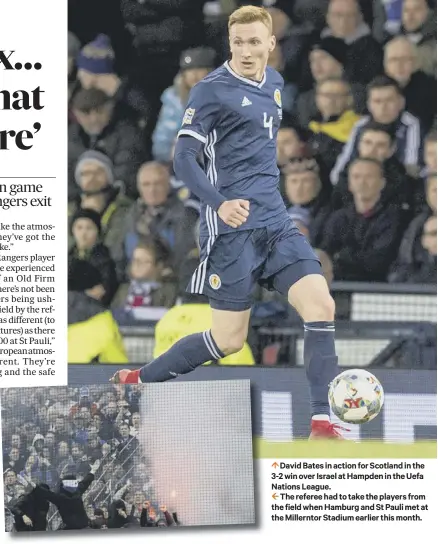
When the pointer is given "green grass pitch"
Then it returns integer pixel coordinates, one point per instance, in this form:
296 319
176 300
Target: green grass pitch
332 449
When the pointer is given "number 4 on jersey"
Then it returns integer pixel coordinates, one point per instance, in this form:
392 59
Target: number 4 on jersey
268 123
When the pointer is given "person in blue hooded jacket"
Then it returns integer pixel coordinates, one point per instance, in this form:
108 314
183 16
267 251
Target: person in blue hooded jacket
194 65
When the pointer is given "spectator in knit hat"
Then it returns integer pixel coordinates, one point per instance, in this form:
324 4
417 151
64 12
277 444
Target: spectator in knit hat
364 54
419 26
100 127
419 89
327 60
305 197
93 334
386 105
362 239
194 65
378 142
151 288
416 260
158 213
99 191
86 231
97 59
332 125
96 69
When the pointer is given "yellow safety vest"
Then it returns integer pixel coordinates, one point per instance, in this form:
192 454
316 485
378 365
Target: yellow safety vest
96 340
187 319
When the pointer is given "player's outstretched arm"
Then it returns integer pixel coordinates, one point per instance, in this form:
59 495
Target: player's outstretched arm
233 212
188 170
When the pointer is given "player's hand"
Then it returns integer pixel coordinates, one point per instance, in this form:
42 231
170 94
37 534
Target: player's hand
234 212
163 508
27 520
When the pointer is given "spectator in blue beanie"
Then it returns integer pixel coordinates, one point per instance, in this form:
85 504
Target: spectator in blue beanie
96 69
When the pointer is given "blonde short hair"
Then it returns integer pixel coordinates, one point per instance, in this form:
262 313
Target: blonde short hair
250 14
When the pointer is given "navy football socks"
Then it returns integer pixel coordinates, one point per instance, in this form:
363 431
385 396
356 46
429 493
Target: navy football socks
183 357
320 362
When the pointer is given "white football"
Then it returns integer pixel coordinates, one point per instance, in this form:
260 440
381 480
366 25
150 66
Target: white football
356 396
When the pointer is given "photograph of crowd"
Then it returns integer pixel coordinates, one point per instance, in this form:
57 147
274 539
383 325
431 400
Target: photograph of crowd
115 456
356 150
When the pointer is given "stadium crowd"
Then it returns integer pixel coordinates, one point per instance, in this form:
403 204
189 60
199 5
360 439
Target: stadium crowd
72 460
356 150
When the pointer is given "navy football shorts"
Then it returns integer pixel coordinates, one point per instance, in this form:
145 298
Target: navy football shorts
233 264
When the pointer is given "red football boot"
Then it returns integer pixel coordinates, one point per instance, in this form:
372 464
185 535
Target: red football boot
325 430
126 376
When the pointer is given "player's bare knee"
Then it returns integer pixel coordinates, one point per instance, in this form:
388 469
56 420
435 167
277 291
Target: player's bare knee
311 298
325 309
229 330
320 308
230 344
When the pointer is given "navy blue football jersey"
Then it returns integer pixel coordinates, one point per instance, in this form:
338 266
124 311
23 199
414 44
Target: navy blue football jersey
237 120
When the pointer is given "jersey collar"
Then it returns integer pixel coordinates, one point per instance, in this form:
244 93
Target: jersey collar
245 79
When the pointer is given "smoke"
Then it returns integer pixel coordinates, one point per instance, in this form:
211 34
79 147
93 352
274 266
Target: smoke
197 436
